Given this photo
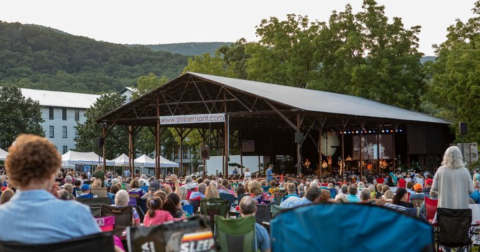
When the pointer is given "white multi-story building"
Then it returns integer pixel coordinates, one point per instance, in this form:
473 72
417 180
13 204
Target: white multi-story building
61 111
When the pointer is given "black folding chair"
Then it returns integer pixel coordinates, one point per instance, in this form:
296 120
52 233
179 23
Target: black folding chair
95 204
123 217
214 206
229 197
453 229
95 242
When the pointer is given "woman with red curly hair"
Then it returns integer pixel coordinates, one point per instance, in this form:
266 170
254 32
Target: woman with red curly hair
35 215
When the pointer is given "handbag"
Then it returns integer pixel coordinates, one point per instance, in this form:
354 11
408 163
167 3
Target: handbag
191 234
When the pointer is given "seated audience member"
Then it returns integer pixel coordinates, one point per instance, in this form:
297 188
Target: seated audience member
388 196
476 192
428 186
410 187
143 181
183 194
225 188
65 195
400 198
257 193
6 195
69 189
154 186
401 182
240 190
352 196
76 188
212 191
200 193
291 190
34 215
341 198
373 193
173 206
135 187
59 178
113 191
155 215
418 192
312 194
248 207
86 192
121 200
365 196
324 197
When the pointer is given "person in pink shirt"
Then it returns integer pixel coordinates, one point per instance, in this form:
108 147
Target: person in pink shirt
155 215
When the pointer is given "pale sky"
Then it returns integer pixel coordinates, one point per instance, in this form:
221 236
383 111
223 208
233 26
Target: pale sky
176 21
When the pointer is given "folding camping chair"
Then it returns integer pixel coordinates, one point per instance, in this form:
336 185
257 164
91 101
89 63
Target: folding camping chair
264 213
106 224
333 192
95 242
195 204
344 228
214 206
95 204
236 234
453 229
136 201
430 208
229 197
123 217
276 210
100 192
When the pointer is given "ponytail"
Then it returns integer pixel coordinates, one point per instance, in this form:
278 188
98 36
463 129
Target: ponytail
398 195
154 204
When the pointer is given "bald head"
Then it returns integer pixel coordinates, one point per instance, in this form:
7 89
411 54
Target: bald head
248 206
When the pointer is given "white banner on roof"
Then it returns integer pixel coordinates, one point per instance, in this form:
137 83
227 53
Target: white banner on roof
188 119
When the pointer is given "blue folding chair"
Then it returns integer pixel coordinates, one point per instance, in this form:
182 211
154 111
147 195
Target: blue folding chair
188 209
349 227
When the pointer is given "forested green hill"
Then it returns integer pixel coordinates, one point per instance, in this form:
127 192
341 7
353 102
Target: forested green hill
38 57
189 49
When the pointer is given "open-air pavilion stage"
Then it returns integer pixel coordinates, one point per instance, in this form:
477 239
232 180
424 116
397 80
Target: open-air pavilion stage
272 120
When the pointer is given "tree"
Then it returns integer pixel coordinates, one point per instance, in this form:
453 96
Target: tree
364 55
455 88
90 131
285 52
148 83
19 115
209 65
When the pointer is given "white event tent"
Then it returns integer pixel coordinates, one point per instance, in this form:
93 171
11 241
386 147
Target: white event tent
87 158
3 154
148 162
121 160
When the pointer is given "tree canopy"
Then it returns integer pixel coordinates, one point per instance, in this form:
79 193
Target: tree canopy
90 131
455 87
362 54
18 115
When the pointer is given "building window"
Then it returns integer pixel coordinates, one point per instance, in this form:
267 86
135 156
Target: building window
185 153
50 114
64 114
77 115
52 131
65 149
64 131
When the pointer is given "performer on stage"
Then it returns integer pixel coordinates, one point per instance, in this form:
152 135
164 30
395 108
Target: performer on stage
324 164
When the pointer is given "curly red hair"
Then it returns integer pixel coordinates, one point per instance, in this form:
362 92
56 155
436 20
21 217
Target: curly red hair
31 158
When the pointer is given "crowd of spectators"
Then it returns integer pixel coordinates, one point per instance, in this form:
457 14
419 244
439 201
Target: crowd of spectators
39 197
